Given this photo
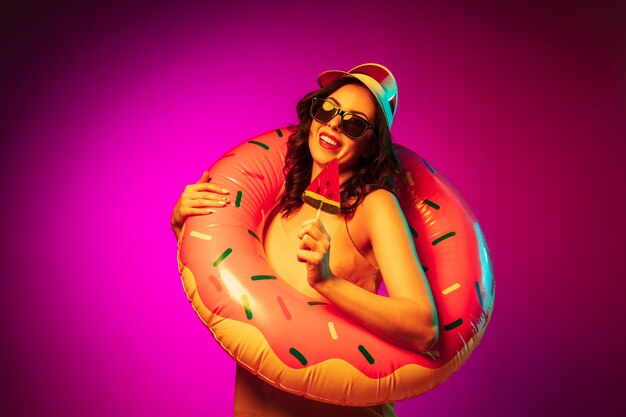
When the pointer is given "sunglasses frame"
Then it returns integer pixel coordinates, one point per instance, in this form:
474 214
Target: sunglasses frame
342 114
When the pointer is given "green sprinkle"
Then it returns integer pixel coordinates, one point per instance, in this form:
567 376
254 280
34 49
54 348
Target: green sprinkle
279 132
413 232
253 235
299 356
223 256
366 354
261 144
317 303
262 277
447 235
246 306
238 201
433 205
454 324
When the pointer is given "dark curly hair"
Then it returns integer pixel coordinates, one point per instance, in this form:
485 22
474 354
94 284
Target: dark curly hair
378 169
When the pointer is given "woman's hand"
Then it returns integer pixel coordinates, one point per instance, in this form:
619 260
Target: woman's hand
407 317
315 251
197 199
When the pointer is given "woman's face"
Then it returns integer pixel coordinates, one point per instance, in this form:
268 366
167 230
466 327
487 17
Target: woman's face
327 141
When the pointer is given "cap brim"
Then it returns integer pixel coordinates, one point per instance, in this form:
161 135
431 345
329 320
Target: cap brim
328 77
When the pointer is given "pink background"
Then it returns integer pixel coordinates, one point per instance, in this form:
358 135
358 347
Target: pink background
107 112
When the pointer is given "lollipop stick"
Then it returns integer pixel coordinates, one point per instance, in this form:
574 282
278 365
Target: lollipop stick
317 215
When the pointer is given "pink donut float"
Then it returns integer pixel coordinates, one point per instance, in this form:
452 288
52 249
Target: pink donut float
310 348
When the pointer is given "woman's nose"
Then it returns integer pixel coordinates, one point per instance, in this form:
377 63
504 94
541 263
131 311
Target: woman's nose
335 122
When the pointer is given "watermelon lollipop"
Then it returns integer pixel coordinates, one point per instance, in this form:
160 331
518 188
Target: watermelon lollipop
323 192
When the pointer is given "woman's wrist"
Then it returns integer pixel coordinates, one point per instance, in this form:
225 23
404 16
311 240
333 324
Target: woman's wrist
326 285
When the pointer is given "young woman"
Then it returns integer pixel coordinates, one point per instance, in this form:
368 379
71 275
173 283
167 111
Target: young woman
342 258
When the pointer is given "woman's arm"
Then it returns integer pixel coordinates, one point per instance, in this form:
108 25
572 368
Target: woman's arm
196 199
408 316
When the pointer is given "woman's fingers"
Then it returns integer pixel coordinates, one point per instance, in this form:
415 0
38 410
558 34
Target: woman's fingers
313 247
310 257
309 243
313 227
209 201
196 195
198 198
190 211
204 177
313 236
203 198
205 187
203 194
312 231
314 250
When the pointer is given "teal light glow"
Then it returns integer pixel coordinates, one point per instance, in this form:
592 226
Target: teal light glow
487 282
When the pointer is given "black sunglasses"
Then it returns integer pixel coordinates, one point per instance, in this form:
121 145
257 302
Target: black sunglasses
352 125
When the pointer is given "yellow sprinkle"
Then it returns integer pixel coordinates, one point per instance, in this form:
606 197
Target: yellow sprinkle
409 178
199 235
451 288
246 306
333 332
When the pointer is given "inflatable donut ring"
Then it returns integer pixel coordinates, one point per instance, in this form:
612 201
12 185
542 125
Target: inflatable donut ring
310 348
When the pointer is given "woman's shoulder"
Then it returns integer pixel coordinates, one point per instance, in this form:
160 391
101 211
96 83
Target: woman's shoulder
378 205
378 201
374 218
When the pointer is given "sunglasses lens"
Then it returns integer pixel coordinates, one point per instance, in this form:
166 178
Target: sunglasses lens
323 110
353 126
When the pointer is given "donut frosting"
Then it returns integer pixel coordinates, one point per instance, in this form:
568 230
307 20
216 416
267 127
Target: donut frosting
311 348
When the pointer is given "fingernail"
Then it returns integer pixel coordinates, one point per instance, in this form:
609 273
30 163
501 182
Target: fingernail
225 199
224 190
210 211
221 203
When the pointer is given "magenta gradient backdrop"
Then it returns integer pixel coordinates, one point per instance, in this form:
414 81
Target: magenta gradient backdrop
107 112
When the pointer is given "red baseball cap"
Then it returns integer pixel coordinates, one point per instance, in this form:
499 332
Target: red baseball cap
377 78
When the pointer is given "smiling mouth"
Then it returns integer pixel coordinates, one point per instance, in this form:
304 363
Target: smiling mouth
329 142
